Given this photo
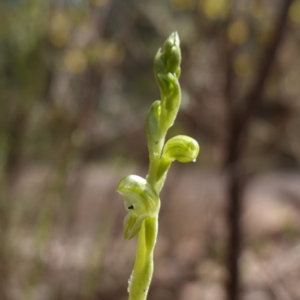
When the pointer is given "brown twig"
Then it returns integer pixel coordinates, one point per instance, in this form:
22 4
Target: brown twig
238 132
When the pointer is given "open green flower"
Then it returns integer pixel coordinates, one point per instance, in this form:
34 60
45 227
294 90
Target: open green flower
181 148
140 200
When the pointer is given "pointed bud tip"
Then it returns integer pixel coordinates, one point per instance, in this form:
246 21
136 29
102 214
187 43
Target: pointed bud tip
175 37
172 41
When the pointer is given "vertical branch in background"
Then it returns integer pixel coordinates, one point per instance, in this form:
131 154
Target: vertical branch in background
238 133
14 135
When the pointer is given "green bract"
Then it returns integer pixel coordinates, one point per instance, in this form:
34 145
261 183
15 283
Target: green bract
141 196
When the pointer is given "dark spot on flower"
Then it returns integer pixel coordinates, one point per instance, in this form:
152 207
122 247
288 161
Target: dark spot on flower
131 207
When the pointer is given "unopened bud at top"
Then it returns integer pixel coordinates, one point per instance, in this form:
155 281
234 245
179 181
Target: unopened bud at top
168 59
172 52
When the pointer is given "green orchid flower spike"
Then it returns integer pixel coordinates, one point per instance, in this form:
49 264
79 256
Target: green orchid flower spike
141 196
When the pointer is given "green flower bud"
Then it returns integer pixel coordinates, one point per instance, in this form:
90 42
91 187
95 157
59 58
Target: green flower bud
170 90
173 54
153 128
172 41
159 64
166 83
182 148
178 72
140 200
168 60
172 51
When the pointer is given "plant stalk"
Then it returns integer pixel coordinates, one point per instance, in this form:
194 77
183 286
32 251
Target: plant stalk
140 279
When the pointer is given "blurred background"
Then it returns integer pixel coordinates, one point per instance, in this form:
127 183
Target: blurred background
76 83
